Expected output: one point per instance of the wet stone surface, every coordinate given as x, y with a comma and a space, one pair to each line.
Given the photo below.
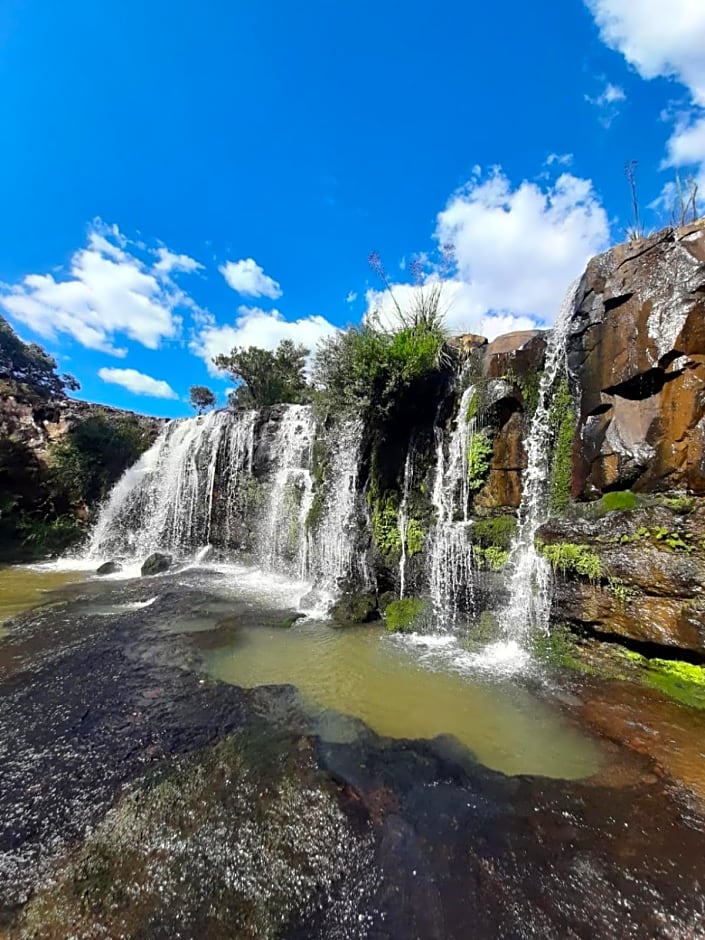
141, 800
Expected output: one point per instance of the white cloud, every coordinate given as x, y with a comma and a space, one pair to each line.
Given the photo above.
247, 277
657, 38
168, 262
687, 145
667, 40
351, 298
518, 249
564, 159
108, 292
137, 382
607, 103
256, 327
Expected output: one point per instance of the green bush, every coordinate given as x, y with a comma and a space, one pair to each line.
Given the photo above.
385, 525
414, 537
491, 557
403, 615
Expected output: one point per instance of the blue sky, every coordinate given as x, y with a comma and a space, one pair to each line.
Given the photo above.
177, 177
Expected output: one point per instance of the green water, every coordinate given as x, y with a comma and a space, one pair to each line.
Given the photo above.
405, 691
24, 588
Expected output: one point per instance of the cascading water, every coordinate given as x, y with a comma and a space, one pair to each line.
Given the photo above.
333, 553
165, 501
450, 561
404, 514
529, 601
282, 542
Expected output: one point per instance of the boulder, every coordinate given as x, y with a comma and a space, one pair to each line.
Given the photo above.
156, 564
355, 608
109, 567
636, 348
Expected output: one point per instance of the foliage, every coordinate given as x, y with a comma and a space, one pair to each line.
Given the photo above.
266, 377
480, 450
368, 369
562, 418
569, 558
403, 615
620, 589
414, 537
497, 531
385, 525
200, 398
474, 406
491, 557
27, 371
93, 456
681, 504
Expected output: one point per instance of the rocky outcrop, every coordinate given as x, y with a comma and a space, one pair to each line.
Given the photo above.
636, 350
37, 425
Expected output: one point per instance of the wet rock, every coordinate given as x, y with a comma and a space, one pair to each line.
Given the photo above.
156, 564
109, 567
651, 587
636, 347
355, 608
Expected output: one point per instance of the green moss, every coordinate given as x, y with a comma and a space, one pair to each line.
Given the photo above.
559, 649
414, 537
473, 406
490, 557
682, 504
529, 386
623, 500
480, 452
569, 558
562, 418
497, 531
678, 680
385, 525
403, 615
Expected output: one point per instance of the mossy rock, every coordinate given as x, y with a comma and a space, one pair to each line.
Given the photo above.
405, 615
156, 564
355, 608
494, 531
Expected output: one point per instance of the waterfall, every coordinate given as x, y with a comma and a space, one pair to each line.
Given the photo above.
165, 501
333, 541
404, 514
450, 557
282, 542
529, 601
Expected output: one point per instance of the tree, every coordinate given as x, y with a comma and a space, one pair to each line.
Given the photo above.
28, 371
266, 377
201, 398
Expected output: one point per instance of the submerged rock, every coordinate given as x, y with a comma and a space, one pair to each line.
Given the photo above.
109, 567
156, 564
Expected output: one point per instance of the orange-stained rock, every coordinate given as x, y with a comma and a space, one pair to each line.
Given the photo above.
515, 354
636, 348
468, 341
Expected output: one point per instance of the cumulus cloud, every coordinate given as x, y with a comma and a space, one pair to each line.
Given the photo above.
657, 38
137, 382
516, 250
256, 327
108, 292
607, 102
247, 277
664, 39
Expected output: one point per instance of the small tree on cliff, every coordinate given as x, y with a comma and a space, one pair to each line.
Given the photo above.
27, 371
266, 377
200, 398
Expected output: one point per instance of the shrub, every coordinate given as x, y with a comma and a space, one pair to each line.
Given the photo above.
414, 537
495, 531
266, 377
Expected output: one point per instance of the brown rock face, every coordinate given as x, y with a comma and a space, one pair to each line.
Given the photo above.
515, 354
466, 342
637, 349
